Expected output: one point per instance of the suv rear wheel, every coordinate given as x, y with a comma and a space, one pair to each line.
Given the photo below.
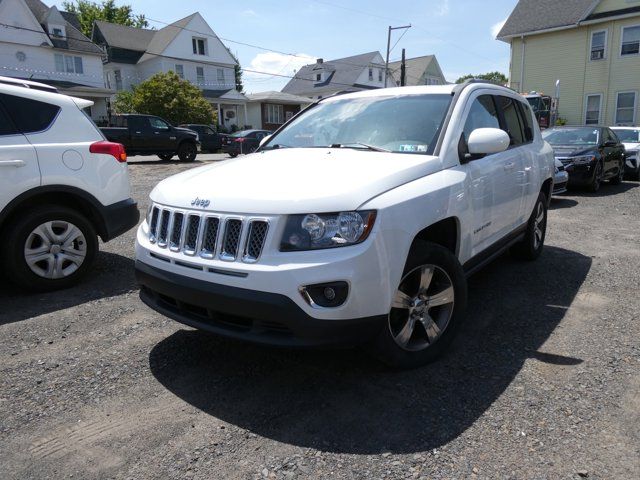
49, 248
531, 246
187, 152
426, 309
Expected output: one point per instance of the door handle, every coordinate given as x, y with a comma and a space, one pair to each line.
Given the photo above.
12, 163
509, 166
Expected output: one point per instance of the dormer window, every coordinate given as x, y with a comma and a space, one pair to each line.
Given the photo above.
318, 77
57, 31
199, 46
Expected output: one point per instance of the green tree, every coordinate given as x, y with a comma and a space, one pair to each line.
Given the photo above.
495, 77
88, 11
238, 74
124, 102
168, 96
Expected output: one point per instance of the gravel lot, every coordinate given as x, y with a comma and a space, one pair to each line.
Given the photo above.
543, 381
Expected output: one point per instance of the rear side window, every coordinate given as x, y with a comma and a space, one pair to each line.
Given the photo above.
511, 120
525, 111
6, 125
483, 114
138, 123
29, 116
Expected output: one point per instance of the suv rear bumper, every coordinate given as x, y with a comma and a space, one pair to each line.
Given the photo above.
118, 218
259, 317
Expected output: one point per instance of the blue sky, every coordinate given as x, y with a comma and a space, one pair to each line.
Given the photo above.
459, 32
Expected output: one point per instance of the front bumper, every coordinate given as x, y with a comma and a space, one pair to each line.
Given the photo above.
580, 175
560, 181
631, 163
118, 218
256, 316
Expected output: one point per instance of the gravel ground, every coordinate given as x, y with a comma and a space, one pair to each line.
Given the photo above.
543, 381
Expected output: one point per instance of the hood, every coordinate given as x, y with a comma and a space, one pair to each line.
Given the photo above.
573, 150
294, 180
186, 130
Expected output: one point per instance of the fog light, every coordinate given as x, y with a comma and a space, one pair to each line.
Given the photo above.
327, 295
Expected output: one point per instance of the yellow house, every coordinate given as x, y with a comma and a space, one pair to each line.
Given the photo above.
592, 47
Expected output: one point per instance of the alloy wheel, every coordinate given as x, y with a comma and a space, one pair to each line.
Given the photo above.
55, 249
422, 308
597, 177
538, 226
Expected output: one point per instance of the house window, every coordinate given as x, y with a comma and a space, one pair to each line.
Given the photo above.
200, 75
370, 74
598, 45
68, 63
118, 77
220, 76
180, 71
626, 108
630, 41
274, 114
592, 110
318, 77
199, 46
57, 32
379, 74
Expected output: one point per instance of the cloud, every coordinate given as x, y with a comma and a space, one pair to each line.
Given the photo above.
277, 63
249, 13
443, 9
495, 29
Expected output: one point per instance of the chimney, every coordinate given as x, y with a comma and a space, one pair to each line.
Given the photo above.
320, 61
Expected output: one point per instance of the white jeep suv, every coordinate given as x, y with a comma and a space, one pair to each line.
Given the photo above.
357, 221
61, 185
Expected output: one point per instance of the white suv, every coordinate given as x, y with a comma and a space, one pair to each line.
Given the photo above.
61, 185
357, 221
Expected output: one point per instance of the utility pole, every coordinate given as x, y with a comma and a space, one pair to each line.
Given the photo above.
403, 70
386, 66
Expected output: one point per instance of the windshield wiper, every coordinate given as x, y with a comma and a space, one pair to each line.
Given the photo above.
359, 144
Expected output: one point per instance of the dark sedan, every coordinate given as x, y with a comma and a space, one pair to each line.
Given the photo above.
245, 141
589, 154
210, 140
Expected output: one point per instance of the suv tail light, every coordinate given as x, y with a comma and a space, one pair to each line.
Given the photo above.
116, 150
240, 140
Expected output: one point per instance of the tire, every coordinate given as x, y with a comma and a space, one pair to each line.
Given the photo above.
56, 262
233, 155
594, 186
418, 334
165, 156
532, 245
187, 152
617, 180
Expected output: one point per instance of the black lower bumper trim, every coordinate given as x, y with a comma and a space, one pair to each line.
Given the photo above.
119, 217
260, 317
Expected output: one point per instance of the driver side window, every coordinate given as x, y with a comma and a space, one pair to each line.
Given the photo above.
483, 114
158, 124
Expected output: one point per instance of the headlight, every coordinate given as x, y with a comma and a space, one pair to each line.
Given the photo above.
326, 230
582, 160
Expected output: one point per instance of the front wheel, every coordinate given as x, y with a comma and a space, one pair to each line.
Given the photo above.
233, 155
426, 309
531, 246
187, 152
594, 186
165, 156
49, 248
617, 180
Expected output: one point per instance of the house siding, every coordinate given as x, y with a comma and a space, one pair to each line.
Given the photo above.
565, 55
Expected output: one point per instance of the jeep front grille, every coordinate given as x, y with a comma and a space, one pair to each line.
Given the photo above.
208, 235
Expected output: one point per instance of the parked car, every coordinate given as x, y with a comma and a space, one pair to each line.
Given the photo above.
62, 185
356, 223
244, 141
589, 154
151, 135
560, 178
630, 138
210, 140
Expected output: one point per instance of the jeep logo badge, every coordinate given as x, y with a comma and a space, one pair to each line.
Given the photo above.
200, 202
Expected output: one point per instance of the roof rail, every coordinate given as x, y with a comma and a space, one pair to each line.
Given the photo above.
473, 81
19, 82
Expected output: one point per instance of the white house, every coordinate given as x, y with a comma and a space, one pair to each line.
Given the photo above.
40, 43
188, 47
350, 74
423, 70
269, 110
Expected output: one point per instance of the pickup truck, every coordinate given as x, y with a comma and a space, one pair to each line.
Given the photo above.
150, 135
357, 222
210, 140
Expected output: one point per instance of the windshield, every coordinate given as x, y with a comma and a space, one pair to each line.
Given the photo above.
572, 136
402, 124
628, 135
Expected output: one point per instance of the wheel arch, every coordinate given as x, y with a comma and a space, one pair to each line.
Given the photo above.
64, 195
547, 189
445, 232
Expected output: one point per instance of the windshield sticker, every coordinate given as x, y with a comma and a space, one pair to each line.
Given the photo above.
413, 148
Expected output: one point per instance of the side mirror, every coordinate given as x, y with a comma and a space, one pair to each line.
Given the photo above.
485, 141
264, 140
610, 143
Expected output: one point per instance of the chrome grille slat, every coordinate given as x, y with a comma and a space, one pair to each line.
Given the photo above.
231, 239
255, 240
208, 235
